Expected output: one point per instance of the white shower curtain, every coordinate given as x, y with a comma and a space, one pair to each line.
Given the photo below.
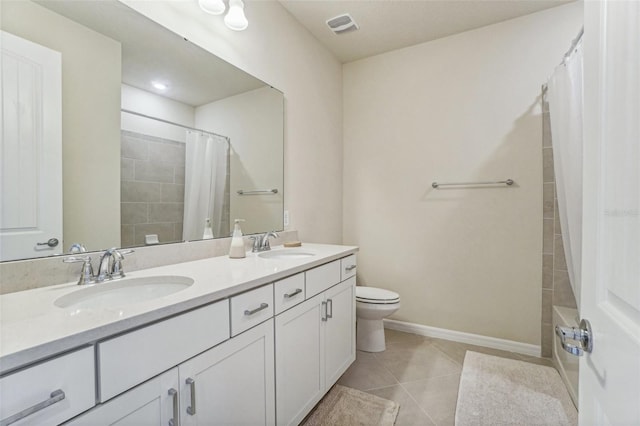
565, 109
205, 183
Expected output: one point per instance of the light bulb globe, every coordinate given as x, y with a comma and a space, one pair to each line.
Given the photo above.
213, 7
235, 18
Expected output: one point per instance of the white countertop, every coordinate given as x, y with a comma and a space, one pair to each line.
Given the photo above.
33, 328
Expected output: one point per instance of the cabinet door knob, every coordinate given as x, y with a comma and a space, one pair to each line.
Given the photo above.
350, 268
175, 420
329, 308
192, 384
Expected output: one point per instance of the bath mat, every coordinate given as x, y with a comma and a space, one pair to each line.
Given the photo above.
344, 406
500, 391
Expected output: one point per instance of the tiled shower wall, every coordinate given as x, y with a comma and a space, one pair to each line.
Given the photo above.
152, 188
556, 289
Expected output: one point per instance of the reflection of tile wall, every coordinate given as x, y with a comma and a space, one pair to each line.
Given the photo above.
556, 289
152, 188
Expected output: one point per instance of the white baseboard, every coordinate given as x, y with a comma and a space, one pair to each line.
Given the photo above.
459, 336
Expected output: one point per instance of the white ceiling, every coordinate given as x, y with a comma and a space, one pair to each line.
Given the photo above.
387, 25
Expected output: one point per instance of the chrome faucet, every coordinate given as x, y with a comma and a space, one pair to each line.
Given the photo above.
261, 242
86, 275
110, 266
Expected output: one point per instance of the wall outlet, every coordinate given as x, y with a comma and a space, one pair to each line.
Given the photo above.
286, 218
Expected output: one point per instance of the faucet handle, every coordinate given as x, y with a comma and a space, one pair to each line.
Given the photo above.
86, 276
256, 243
77, 248
119, 255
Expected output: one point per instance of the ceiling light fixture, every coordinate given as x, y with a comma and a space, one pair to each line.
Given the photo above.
235, 18
158, 85
214, 7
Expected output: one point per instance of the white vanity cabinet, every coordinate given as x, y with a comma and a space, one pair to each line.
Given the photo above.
232, 383
315, 344
153, 403
261, 356
340, 331
131, 358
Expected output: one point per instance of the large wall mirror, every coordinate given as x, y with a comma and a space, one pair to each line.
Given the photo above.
117, 132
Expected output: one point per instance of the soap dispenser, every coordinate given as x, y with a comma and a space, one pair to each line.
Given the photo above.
237, 251
208, 232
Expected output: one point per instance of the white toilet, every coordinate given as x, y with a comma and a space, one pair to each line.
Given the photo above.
372, 306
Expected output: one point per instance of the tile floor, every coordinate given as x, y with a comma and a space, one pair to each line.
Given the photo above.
420, 373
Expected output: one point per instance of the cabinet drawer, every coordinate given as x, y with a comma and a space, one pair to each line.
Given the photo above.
73, 374
132, 358
321, 278
348, 267
289, 292
251, 308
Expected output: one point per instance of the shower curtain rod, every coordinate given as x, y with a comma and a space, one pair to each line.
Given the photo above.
175, 124
574, 43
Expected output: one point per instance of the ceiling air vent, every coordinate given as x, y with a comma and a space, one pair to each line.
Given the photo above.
342, 24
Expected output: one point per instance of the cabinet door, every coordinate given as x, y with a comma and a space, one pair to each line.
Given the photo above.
340, 332
299, 360
231, 384
151, 403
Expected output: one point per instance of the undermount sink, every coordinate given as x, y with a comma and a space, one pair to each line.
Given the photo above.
286, 254
124, 292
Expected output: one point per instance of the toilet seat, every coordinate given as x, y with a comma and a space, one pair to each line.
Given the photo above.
376, 296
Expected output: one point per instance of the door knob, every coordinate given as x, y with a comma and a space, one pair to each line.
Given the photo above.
582, 335
52, 242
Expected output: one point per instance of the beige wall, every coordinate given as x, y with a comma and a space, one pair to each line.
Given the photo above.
278, 50
462, 108
90, 120
253, 122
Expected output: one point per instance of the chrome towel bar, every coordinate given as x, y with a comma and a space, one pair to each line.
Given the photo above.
508, 182
258, 192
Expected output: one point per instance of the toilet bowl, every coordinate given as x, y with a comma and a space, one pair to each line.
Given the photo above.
372, 306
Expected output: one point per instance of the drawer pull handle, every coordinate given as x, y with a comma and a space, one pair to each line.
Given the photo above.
293, 293
350, 268
329, 308
175, 420
262, 307
323, 311
56, 396
192, 384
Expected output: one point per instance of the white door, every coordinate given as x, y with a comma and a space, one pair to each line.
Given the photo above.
153, 403
232, 383
610, 374
31, 148
299, 360
340, 330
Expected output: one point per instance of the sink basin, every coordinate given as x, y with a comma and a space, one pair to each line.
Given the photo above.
124, 292
286, 254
